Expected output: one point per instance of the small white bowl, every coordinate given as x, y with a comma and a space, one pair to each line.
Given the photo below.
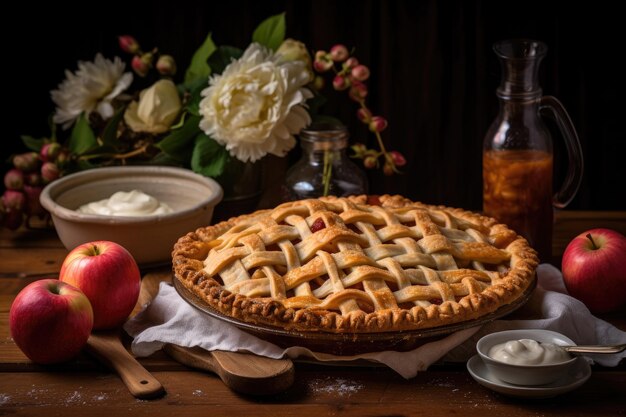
528, 375
150, 239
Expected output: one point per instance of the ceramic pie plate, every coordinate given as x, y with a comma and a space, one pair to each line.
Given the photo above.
345, 344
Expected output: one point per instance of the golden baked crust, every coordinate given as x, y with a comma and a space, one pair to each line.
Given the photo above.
342, 265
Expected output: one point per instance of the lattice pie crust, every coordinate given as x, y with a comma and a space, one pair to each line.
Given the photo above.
342, 265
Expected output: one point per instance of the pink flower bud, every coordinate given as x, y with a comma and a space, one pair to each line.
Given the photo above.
166, 65
397, 158
321, 56
339, 53
370, 162
388, 169
340, 82
364, 115
63, 159
351, 62
358, 91
13, 200
322, 65
14, 179
128, 44
26, 162
32, 178
142, 64
359, 150
33, 205
360, 72
50, 151
378, 124
49, 172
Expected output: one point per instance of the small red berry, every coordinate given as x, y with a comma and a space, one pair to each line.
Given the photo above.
398, 158
378, 124
318, 225
370, 162
339, 53
360, 72
128, 44
166, 65
373, 200
351, 62
340, 82
142, 64
364, 115
358, 91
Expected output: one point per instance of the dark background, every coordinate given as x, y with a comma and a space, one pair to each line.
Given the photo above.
434, 74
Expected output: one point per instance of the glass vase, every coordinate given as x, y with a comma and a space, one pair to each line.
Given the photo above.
324, 168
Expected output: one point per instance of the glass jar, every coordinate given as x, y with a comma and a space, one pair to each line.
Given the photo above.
324, 168
517, 151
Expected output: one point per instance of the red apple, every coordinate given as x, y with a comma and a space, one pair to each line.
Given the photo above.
108, 275
50, 321
594, 269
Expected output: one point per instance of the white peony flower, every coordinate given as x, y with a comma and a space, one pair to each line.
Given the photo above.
256, 105
91, 88
156, 110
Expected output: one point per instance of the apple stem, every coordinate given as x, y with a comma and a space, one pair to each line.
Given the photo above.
593, 244
95, 250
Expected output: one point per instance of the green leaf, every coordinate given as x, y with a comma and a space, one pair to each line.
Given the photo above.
83, 164
195, 96
209, 157
164, 159
82, 137
271, 32
330, 120
222, 57
32, 143
109, 135
177, 144
198, 68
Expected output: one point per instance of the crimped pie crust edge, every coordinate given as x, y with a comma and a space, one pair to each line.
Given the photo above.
191, 249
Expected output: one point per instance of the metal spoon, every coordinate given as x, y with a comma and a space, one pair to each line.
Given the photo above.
595, 349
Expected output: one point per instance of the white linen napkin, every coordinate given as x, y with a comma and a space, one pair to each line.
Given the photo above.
170, 319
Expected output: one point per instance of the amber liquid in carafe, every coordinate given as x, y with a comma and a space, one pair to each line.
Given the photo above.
517, 191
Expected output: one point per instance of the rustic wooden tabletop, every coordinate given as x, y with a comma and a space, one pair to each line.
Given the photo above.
85, 387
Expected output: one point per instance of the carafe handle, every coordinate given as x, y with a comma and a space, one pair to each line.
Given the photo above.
574, 151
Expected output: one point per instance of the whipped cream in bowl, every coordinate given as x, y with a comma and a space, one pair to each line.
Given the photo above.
528, 352
146, 209
123, 203
528, 357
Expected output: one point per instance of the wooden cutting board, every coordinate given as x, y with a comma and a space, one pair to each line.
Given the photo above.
242, 372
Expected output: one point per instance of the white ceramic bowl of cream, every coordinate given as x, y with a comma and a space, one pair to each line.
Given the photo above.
149, 238
525, 374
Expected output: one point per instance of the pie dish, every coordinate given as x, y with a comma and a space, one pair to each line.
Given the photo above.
356, 265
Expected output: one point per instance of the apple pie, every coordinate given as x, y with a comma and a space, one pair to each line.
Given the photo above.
355, 265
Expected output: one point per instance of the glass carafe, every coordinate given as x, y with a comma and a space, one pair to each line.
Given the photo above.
324, 168
518, 153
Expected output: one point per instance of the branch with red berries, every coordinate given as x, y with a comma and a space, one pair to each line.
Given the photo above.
143, 61
24, 182
350, 75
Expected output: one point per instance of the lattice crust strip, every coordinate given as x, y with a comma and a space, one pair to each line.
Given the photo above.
338, 264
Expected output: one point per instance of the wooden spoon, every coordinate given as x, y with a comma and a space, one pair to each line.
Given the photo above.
107, 347
242, 372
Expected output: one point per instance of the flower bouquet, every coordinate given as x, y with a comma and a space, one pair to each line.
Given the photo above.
231, 107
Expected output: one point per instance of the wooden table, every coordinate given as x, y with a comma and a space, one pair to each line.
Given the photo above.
84, 387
